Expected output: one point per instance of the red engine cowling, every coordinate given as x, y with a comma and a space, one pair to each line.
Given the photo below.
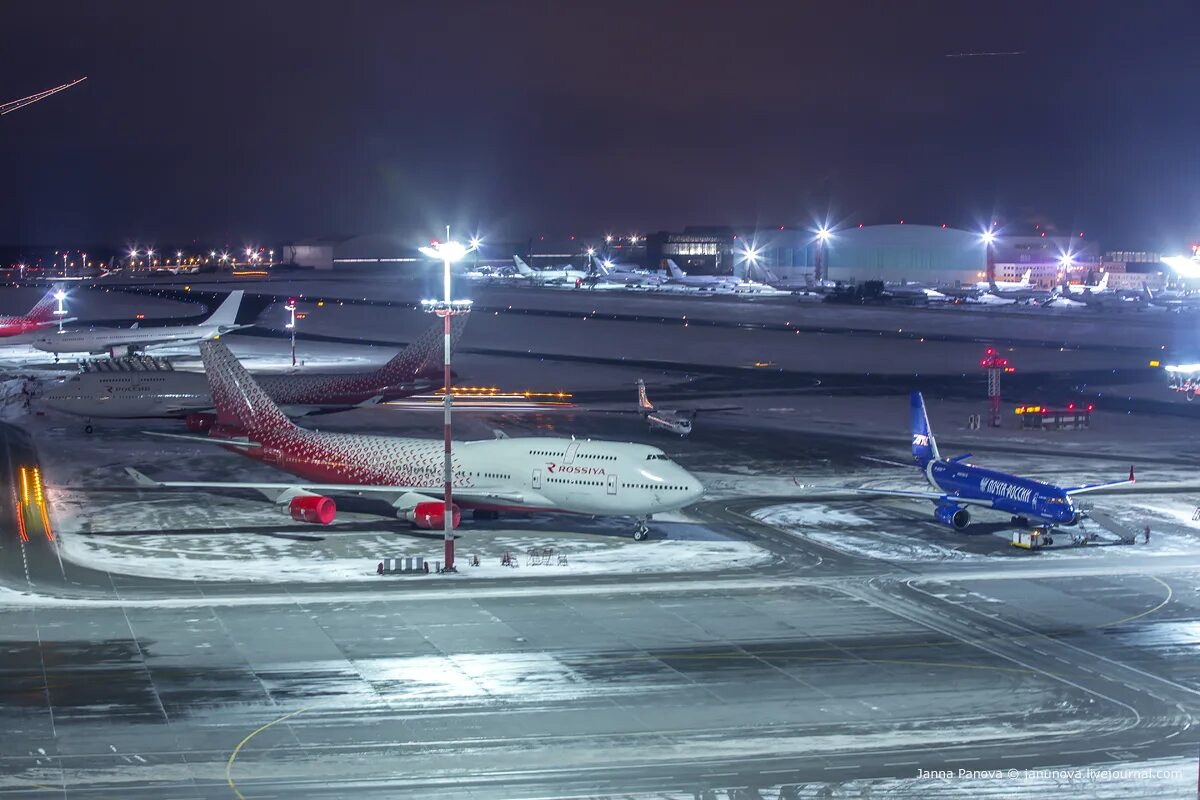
313, 508
200, 423
431, 515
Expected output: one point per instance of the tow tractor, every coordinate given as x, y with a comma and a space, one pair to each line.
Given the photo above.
1039, 537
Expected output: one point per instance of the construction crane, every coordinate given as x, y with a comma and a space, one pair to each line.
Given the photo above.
13, 105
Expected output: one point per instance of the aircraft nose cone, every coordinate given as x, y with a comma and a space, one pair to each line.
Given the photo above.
695, 490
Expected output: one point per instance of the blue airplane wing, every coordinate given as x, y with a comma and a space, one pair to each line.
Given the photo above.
937, 497
1098, 488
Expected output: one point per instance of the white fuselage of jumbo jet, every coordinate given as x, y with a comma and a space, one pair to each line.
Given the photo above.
116, 341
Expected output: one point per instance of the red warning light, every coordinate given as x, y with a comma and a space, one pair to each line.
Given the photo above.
1070, 406
1090, 408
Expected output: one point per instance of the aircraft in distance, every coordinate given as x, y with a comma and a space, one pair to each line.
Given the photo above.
681, 278
959, 486
554, 275
40, 316
677, 421
605, 271
1015, 291
1175, 301
141, 387
134, 338
521, 475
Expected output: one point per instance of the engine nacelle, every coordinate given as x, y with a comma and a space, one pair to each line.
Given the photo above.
430, 515
200, 423
952, 515
312, 508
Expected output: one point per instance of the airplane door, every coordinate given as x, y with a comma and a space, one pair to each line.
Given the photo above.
537, 479
612, 484
569, 456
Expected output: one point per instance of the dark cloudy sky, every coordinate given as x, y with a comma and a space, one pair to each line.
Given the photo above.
277, 120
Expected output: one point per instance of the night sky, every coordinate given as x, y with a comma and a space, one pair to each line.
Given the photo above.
272, 121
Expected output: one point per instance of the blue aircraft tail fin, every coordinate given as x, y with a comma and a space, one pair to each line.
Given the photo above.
924, 446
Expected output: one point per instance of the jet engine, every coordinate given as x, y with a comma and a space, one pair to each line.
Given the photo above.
200, 423
430, 515
312, 508
952, 515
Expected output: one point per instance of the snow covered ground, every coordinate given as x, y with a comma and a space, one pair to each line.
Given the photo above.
861, 532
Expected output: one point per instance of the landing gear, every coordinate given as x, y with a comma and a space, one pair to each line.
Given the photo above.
87, 428
641, 530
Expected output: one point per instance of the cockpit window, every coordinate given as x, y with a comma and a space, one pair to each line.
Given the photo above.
657, 457
1057, 501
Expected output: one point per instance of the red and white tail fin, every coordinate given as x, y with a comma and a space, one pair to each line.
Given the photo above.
43, 310
643, 401
423, 356
240, 402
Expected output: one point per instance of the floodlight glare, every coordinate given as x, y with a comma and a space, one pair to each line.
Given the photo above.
823, 233
988, 237
60, 295
591, 251
445, 251
1066, 260
476, 242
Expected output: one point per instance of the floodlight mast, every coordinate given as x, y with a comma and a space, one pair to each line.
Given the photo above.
448, 251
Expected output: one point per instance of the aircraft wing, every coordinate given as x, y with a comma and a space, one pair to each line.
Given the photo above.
467, 494
1102, 488
936, 497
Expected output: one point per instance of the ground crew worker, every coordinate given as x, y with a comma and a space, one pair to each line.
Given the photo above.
1146, 535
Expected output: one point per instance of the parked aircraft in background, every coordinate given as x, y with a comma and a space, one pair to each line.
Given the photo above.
553, 275
522, 475
142, 387
40, 316
681, 278
605, 271
136, 338
1017, 291
1175, 301
958, 486
1101, 295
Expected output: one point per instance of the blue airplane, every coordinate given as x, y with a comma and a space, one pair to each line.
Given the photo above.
958, 485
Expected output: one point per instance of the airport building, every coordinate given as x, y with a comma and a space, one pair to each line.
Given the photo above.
1043, 257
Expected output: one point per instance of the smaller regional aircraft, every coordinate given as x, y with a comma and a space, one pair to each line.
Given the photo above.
677, 421
958, 486
40, 316
127, 341
565, 274
681, 278
1017, 291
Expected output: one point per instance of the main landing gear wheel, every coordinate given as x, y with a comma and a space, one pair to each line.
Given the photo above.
88, 428
641, 531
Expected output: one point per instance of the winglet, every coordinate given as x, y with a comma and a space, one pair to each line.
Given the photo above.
1132, 479
141, 479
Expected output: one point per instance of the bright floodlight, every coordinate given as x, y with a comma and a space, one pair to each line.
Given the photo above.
133, 253
60, 295
823, 233
475, 242
608, 239
445, 251
1183, 266
1066, 260
751, 255
607, 264
988, 237
591, 251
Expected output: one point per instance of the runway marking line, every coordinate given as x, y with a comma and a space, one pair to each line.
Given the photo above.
1167, 599
233, 756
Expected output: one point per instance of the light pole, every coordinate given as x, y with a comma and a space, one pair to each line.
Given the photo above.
988, 238
823, 235
291, 326
149, 262
447, 252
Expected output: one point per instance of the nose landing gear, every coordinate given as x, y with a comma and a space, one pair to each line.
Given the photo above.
641, 530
